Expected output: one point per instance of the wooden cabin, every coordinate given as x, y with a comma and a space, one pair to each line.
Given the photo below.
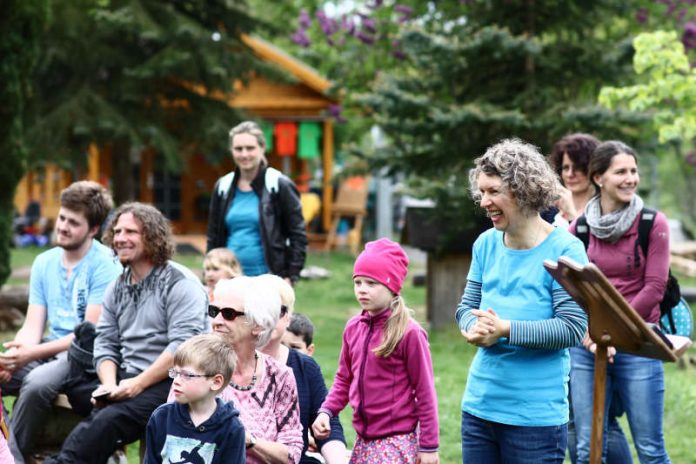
301, 101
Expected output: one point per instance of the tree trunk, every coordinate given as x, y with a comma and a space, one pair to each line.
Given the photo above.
446, 280
15, 296
123, 184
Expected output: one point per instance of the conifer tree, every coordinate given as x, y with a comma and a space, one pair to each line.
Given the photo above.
139, 74
511, 68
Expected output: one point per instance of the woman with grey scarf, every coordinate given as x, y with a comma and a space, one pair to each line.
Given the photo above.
613, 217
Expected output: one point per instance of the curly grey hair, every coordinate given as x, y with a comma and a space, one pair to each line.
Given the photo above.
524, 171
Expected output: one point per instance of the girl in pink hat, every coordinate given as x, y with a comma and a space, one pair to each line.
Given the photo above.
385, 370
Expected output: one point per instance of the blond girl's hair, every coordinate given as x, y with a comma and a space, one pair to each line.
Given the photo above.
225, 260
285, 290
395, 327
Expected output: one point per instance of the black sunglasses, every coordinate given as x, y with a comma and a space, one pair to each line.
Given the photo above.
229, 314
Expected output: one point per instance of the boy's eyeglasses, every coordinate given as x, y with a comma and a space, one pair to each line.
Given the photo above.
229, 314
185, 375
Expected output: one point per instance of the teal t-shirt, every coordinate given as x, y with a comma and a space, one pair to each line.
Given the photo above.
66, 299
244, 230
511, 384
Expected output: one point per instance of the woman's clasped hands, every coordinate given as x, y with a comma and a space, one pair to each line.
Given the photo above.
488, 328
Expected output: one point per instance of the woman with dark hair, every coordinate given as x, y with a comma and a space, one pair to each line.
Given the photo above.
613, 217
515, 406
255, 211
570, 157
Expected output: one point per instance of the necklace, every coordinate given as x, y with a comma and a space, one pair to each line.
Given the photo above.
253, 378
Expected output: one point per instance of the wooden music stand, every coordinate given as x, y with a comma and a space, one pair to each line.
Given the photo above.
612, 322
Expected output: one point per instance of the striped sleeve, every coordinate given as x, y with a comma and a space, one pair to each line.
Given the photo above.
565, 329
471, 299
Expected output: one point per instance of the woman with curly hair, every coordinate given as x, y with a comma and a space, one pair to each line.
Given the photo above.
515, 406
570, 157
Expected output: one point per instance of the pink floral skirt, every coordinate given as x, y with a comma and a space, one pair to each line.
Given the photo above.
395, 449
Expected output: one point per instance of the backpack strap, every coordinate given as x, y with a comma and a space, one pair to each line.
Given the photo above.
271, 179
225, 184
647, 219
582, 230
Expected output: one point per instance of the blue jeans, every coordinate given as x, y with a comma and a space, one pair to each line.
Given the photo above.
639, 385
494, 443
618, 451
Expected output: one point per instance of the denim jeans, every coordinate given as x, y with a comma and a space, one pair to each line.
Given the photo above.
618, 451
494, 443
639, 385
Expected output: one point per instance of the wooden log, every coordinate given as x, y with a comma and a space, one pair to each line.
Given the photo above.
684, 249
15, 296
684, 265
446, 279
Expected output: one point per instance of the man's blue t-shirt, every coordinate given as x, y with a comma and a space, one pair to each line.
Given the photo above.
66, 299
244, 228
513, 384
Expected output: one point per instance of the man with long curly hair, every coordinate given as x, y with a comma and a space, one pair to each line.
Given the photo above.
152, 308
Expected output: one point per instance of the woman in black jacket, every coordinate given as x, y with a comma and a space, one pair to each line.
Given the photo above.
255, 210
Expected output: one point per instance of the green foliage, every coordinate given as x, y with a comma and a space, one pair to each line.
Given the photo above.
21, 27
497, 69
666, 93
667, 89
138, 74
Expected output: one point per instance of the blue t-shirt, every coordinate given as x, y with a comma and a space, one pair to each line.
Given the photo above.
66, 299
513, 384
244, 237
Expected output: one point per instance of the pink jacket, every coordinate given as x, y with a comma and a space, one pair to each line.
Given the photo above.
643, 286
389, 396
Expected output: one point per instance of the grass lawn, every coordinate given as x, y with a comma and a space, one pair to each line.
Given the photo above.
330, 302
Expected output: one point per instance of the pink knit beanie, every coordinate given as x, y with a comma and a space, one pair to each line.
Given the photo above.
384, 261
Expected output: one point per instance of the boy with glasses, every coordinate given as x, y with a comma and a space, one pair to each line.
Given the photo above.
198, 427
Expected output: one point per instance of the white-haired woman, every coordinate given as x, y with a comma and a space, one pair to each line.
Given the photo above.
245, 311
515, 406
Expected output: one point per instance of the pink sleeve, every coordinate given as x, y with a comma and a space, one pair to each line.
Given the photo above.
420, 372
5, 455
656, 270
287, 413
337, 399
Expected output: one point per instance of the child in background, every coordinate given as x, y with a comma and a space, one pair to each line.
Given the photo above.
219, 263
198, 427
385, 368
300, 334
